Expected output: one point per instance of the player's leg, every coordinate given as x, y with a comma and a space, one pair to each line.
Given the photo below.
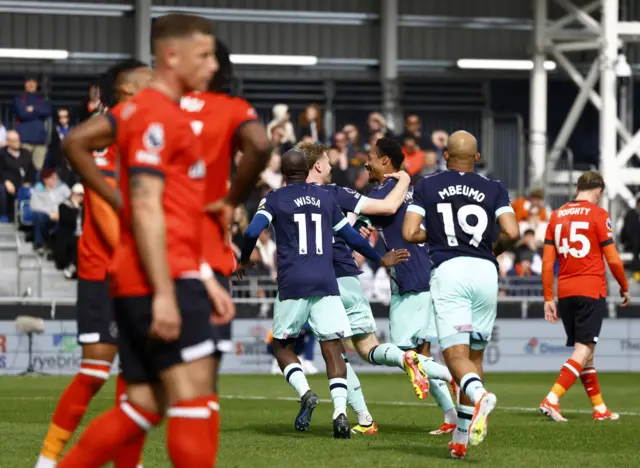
408, 322
356, 401
97, 334
221, 335
330, 324
128, 422
439, 389
289, 316
589, 379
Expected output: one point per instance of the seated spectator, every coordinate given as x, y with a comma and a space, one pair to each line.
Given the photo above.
45, 202
536, 224
16, 170
55, 156
528, 247
339, 160
630, 238
32, 111
523, 281
414, 157
522, 205
282, 118
92, 104
439, 139
65, 250
272, 176
310, 124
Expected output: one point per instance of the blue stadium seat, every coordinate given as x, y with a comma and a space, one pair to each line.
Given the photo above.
25, 215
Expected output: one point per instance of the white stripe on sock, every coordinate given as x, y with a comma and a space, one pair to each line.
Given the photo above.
189, 413
572, 369
98, 374
136, 417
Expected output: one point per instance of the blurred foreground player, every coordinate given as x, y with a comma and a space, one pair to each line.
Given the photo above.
224, 124
460, 209
306, 217
580, 233
161, 306
97, 331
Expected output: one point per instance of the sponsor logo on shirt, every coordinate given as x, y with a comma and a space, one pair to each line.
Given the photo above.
191, 104
147, 158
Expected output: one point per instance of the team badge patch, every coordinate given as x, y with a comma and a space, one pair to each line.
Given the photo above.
609, 224
153, 138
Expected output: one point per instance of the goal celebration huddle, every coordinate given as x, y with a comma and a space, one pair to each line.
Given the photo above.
155, 266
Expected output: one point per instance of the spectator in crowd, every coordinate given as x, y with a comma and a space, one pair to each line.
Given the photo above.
522, 205
32, 111
3, 135
310, 124
271, 176
377, 123
339, 159
281, 117
528, 247
92, 104
266, 247
65, 250
55, 156
373, 138
536, 224
439, 140
16, 170
277, 140
505, 263
45, 202
353, 137
630, 238
413, 127
414, 157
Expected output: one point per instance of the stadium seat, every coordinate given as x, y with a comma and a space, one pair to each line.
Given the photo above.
24, 216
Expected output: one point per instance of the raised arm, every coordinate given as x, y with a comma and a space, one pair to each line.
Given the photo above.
79, 144
392, 202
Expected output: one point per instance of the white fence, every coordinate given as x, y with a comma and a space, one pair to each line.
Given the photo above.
517, 346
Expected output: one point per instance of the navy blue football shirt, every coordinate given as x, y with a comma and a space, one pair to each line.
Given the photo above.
349, 201
304, 217
414, 274
460, 211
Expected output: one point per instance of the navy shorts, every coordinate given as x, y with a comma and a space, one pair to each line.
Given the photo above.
94, 312
142, 358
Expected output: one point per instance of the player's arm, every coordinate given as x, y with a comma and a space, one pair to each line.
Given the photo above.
506, 217
79, 144
549, 255
412, 229
610, 252
390, 204
260, 222
223, 308
256, 150
105, 218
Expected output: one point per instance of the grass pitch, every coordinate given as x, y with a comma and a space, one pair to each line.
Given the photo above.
258, 412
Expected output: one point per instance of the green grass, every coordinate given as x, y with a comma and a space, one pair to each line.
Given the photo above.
258, 412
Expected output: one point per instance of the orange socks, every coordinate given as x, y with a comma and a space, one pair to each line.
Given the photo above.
73, 405
108, 434
129, 456
589, 379
568, 375
191, 433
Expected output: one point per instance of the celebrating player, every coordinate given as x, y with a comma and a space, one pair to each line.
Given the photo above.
161, 306
97, 331
460, 209
410, 312
224, 123
580, 232
305, 217
363, 325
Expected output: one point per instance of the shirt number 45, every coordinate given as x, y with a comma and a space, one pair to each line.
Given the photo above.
562, 244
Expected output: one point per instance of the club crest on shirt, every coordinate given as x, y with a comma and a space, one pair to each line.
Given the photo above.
153, 138
609, 224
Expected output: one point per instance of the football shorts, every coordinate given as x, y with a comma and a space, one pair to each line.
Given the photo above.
222, 333
325, 314
143, 357
465, 300
582, 318
94, 313
358, 309
409, 319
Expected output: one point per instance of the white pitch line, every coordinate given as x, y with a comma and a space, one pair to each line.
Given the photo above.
382, 403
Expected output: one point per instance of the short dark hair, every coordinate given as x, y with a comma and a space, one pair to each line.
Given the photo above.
314, 152
590, 180
392, 149
179, 25
224, 75
108, 81
408, 136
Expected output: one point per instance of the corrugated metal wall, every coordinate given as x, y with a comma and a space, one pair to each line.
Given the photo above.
317, 5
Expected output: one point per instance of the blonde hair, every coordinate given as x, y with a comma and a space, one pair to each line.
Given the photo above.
313, 151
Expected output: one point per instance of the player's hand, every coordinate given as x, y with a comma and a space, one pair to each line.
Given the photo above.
223, 308
366, 232
394, 257
398, 176
29, 108
550, 311
166, 320
222, 212
11, 189
240, 273
626, 298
